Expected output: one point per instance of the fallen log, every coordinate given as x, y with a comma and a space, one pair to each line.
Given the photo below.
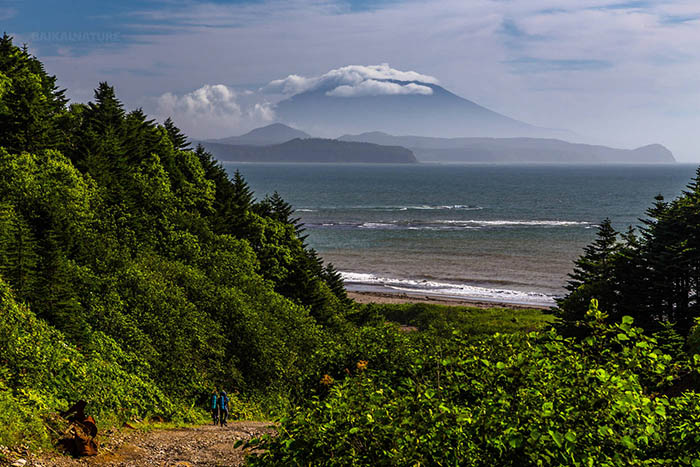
79, 439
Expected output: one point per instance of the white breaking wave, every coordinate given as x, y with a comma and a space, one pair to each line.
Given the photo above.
449, 290
511, 223
456, 207
377, 225
420, 207
442, 224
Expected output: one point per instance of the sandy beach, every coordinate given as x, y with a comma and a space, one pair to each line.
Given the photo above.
400, 297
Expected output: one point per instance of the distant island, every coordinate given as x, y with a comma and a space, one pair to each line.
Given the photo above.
312, 150
516, 150
281, 143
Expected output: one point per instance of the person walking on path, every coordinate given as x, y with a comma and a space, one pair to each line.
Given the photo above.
223, 405
214, 407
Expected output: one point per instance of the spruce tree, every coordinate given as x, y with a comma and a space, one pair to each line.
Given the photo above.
178, 139
30, 101
593, 276
275, 207
657, 254
19, 258
100, 148
631, 279
143, 137
335, 282
242, 196
57, 302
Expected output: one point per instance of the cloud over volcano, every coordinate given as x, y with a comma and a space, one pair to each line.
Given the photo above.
356, 80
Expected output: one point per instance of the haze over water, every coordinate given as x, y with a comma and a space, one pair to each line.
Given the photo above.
502, 233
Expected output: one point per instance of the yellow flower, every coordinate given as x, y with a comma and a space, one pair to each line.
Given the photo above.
362, 365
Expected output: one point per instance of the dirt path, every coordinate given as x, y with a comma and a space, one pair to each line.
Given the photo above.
206, 445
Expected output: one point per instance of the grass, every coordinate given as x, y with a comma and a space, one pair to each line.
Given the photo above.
469, 320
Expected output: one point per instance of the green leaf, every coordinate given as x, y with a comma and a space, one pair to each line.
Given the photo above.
627, 442
660, 410
516, 441
557, 437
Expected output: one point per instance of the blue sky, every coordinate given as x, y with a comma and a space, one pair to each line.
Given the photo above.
616, 72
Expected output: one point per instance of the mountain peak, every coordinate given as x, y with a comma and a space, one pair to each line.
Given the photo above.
274, 133
401, 107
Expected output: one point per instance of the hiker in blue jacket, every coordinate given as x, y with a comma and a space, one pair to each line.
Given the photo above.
214, 407
223, 406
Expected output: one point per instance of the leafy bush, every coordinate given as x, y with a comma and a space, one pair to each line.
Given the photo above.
42, 373
534, 399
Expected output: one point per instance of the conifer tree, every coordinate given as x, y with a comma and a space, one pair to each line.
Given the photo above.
593, 276
106, 112
242, 195
631, 279
18, 253
334, 279
277, 208
226, 216
30, 101
672, 254
657, 254
100, 147
178, 139
142, 138
57, 301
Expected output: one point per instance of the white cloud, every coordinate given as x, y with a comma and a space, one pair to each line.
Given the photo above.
355, 80
217, 99
292, 84
373, 87
213, 110
262, 111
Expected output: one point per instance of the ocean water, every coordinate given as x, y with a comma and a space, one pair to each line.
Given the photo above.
491, 232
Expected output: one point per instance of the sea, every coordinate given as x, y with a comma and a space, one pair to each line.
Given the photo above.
495, 233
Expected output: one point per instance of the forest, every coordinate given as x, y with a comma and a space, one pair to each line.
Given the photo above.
137, 275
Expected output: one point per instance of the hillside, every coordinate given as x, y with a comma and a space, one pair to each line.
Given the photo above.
515, 150
135, 272
313, 150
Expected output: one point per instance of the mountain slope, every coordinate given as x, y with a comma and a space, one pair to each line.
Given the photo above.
312, 150
428, 149
270, 134
441, 113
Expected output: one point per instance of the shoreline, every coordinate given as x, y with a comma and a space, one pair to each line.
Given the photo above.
384, 298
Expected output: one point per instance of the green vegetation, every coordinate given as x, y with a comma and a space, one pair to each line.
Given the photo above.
137, 275
505, 399
443, 319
